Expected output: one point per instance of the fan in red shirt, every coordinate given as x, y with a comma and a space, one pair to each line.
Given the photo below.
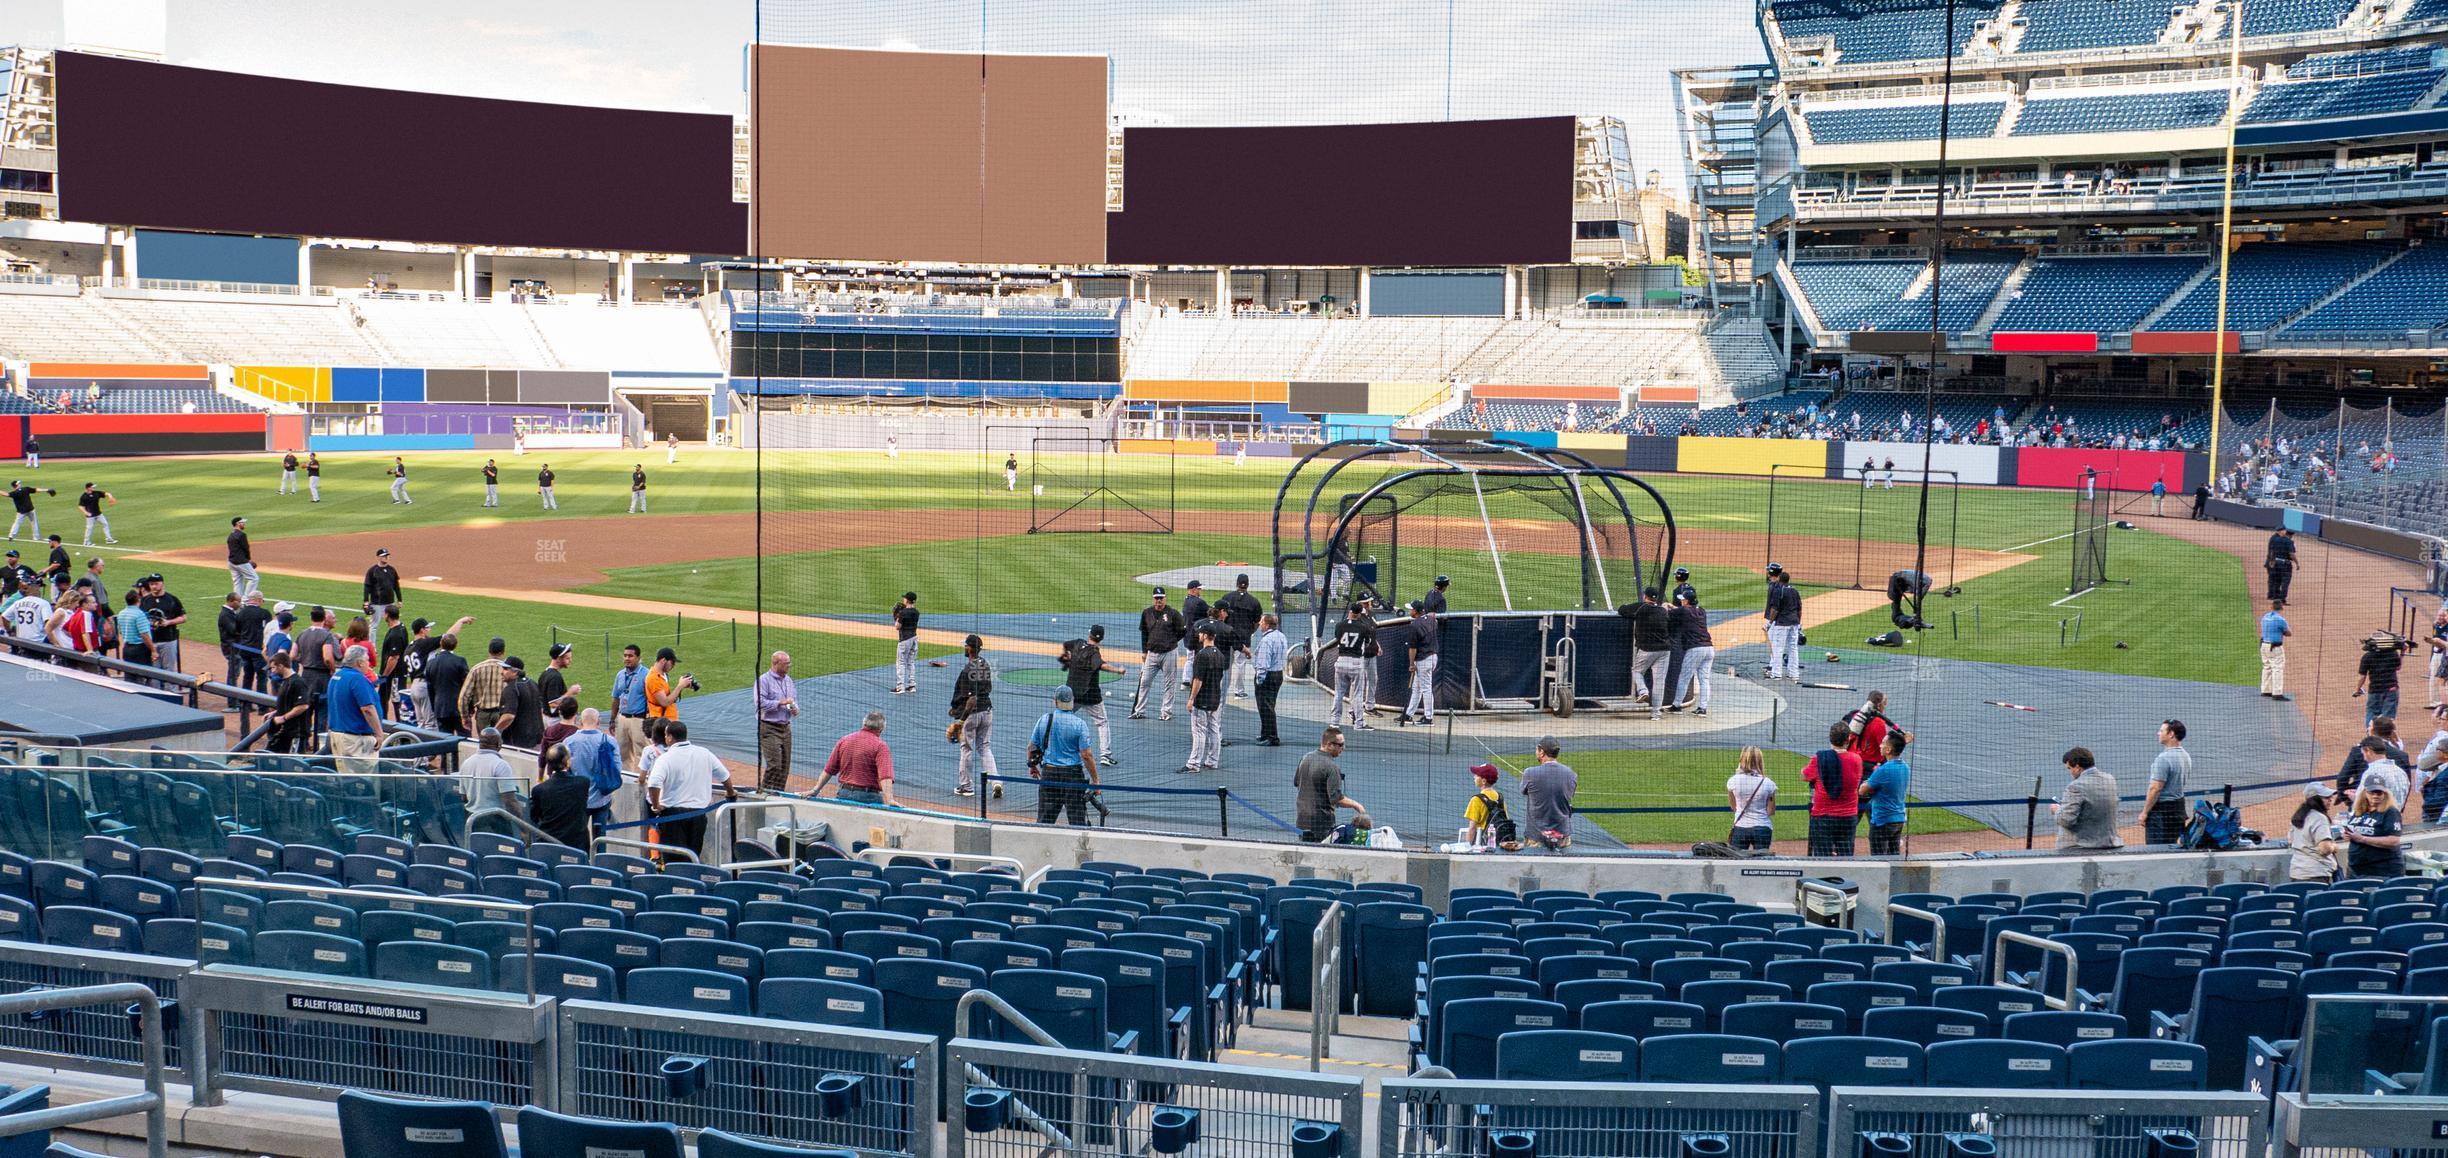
1835, 800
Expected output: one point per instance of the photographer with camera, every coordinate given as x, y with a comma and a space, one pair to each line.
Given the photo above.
2376, 674
663, 689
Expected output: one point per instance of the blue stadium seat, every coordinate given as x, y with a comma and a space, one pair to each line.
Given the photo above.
310, 953
1853, 1061
1642, 1020
2230, 1006
1926, 1024
1785, 1021
499, 938
544, 1134
686, 991
1467, 1030
428, 963
1711, 1058
772, 935
1068, 1006
2064, 1027
1809, 971
1995, 1002
19, 920
1444, 991
1565, 1055
2137, 1064
1858, 998
821, 1002
374, 1126
993, 955
85, 927
136, 896
744, 961
563, 978
382, 925
1715, 997
1390, 939
1676, 972
673, 926
562, 916
920, 995
623, 950
1137, 999
2153, 981
1996, 1064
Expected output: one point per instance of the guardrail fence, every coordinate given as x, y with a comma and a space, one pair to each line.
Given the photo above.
307, 1036
1019, 1101
105, 1041
1419, 1118
1900, 1123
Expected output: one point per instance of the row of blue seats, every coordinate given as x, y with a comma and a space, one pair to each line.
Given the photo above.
375, 1126
1569, 1055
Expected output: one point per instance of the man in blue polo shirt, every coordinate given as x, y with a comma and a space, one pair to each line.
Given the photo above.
1058, 756
629, 706
2274, 633
355, 713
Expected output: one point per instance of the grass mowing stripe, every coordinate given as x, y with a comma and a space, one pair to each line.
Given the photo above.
705, 649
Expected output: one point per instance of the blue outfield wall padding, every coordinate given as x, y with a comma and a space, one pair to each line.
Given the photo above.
356, 384
2302, 522
1542, 439
402, 385
393, 442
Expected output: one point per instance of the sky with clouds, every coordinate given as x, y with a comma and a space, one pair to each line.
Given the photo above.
1184, 62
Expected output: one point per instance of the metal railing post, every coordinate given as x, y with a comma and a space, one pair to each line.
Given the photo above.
1997, 963
1937, 928
1326, 989
153, 1102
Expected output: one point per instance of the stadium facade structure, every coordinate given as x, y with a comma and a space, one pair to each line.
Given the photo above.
2083, 186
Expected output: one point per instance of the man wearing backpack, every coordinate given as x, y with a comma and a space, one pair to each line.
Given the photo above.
1834, 775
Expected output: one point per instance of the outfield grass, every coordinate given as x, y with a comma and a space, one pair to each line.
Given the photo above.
2184, 615
1075, 573
706, 647
1695, 778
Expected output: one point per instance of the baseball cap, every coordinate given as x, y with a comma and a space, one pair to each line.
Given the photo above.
283, 608
1417, 605
1158, 592
1442, 580
556, 651
1776, 568
912, 596
12, 553
1192, 585
515, 663
382, 552
420, 623
2318, 791
667, 653
1484, 771
1682, 572
1062, 697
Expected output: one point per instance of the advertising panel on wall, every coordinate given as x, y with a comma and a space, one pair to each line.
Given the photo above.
1969, 464
1441, 193
927, 156
143, 143
2124, 470
1796, 457
88, 435
1328, 398
2043, 343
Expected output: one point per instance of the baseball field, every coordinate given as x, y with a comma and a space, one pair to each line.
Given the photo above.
725, 571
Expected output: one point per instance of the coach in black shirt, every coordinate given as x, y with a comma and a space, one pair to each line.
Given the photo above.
522, 707
558, 802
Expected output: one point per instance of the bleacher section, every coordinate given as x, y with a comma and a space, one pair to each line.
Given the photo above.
1878, 31
2411, 294
2267, 284
2343, 94
1893, 295
2062, 25
2049, 114
357, 332
2284, 17
1846, 124
2095, 294
1595, 351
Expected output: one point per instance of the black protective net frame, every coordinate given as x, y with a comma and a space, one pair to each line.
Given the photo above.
2093, 496
1496, 524
1821, 531
1069, 495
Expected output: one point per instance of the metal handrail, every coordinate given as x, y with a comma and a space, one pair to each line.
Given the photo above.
1807, 885
525, 911
1997, 966
647, 845
1019, 1021
1326, 993
517, 823
154, 1102
1937, 927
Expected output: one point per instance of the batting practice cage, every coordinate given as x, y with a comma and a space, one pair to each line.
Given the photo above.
2092, 522
1073, 485
1546, 543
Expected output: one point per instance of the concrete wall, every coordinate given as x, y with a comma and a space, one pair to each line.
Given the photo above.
783, 431
1770, 882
